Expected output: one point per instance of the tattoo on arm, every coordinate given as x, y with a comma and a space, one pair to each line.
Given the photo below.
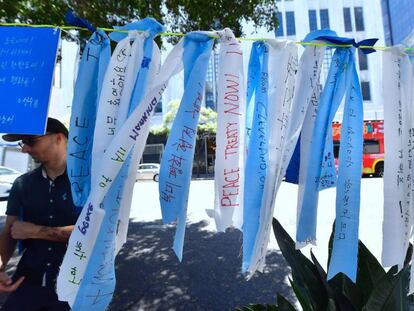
56, 234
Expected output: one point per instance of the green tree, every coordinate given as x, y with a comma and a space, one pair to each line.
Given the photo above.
206, 132
176, 15
207, 124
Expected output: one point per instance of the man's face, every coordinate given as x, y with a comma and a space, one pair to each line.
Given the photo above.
38, 146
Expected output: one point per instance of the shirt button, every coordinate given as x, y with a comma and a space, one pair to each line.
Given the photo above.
51, 200
49, 249
51, 216
48, 264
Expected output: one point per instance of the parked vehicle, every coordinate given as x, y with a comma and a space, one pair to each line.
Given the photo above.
7, 177
373, 150
148, 171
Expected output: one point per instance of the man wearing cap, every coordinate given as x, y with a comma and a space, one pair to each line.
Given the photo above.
41, 214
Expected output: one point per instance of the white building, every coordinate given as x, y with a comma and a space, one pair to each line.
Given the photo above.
359, 19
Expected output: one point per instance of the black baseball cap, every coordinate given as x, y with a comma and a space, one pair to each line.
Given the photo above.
53, 126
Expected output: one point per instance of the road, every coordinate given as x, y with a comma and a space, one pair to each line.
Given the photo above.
146, 207
149, 277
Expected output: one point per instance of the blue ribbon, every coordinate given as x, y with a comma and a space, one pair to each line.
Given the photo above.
345, 246
292, 172
342, 78
146, 24
88, 86
257, 154
98, 284
177, 161
252, 81
77, 21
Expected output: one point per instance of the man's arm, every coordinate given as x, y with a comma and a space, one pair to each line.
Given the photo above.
7, 247
22, 230
7, 243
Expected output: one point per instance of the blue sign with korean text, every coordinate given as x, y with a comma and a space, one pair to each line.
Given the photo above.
27, 61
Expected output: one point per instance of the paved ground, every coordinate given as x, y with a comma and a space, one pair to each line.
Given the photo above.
149, 277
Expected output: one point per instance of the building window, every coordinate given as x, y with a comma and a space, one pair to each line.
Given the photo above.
366, 92
279, 30
363, 60
359, 19
312, 20
326, 64
290, 24
324, 15
347, 19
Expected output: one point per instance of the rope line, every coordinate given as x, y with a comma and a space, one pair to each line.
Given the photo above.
178, 34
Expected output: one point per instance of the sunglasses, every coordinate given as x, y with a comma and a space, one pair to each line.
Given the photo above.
32, 140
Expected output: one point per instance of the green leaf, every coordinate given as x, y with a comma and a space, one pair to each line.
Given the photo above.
344, 287
302, 296
370, 272
383, 295
304, 273
334, 296
332, 305
283, 304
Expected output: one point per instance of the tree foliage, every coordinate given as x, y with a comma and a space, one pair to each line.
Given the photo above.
207, 124
176, 15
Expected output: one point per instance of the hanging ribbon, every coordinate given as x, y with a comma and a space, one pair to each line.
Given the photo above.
88, 86
177, 161
131, 133
320, 174
149, 67
100, 273
77, 21
282, 67
122, 67
398, 77
253, 74
257, 148
123, 221
344, 256
230, 149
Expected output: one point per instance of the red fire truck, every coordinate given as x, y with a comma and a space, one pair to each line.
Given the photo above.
373, 151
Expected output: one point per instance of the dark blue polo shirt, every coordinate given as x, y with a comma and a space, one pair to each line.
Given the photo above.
37, 199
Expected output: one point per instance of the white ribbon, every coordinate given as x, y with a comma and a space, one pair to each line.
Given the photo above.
109, 103
398, 81
131, 133
282, 74
308, 120
123, 221
116, 92
230, 148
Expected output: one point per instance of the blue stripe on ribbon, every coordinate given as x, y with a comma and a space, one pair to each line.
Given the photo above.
99, 276
252, 81
342, 78
95, 59
292, 171
329, 102
257, 154
345, 246
177, 161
